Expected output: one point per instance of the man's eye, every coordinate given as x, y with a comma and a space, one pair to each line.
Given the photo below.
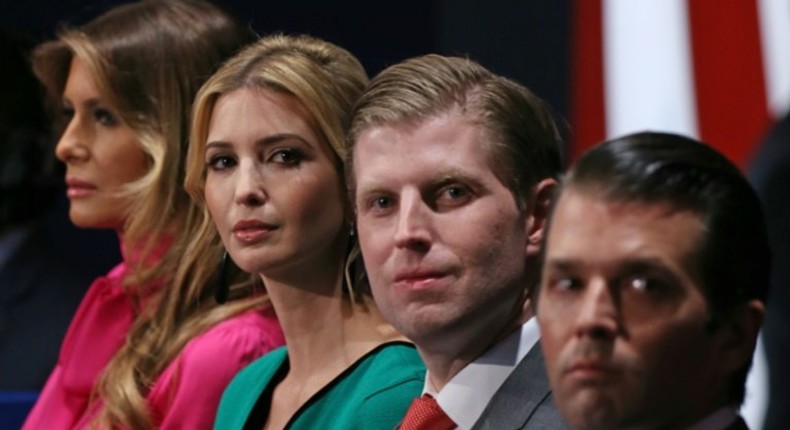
381, 203
639, 284
645, 285
565, 284
456, 192
452, 196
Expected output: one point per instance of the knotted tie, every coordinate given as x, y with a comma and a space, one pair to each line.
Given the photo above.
425, 414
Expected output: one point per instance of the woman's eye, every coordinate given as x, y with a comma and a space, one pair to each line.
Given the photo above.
104, 117
221, 162
287, 156
67, 112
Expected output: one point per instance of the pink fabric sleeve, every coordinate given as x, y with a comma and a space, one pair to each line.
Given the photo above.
187, 394
97, 331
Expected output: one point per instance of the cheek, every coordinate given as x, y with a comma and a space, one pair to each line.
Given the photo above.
124, 157
553, 336
216, 202
324, 203
370, 241
671, 348
317, 204
495, 265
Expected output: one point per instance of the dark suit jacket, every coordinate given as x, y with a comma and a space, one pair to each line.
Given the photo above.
769, 173
739, 424
524, 400
40, 289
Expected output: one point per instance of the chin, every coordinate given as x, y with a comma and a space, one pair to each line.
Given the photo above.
246, 264
590, 413
96, 223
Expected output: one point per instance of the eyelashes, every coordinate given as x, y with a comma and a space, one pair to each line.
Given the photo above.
287, 157
101, 115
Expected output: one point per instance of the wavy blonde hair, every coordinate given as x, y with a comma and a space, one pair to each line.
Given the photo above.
325, 78
148, 59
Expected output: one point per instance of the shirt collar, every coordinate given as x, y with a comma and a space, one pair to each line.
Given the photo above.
466, 395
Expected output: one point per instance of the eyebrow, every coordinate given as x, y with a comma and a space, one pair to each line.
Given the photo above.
455, 175
90, 103
266, 141
631, 265
442, 177
563, 264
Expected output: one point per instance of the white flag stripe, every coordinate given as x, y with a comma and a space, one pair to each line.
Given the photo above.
648, 67
774, 18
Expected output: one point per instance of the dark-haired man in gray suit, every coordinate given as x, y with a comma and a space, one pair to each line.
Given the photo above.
655, 275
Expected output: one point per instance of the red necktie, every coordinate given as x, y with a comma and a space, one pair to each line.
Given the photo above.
425, 414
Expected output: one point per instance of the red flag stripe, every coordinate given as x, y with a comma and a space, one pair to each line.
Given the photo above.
731, 104
588, 111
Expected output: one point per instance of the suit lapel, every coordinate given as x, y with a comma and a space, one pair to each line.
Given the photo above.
519, 396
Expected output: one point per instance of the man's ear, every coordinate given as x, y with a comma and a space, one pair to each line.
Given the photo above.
738, 336
538, 213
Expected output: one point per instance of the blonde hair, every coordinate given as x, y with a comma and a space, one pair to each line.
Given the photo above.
525, 145
148, 59
327, 80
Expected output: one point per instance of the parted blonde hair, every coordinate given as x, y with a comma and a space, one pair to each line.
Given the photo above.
325, 78
148, 60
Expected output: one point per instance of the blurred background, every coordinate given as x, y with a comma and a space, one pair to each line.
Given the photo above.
712, 69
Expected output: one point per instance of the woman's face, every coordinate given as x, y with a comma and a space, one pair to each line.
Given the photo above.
101, 153
272, 185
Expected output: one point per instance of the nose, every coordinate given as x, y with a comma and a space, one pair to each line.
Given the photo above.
72, 148
597, 317
413, 224
250, 185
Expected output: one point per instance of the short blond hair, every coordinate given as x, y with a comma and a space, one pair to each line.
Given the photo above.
525, 145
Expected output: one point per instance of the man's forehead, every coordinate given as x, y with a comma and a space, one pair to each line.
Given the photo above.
445, 139
627, 229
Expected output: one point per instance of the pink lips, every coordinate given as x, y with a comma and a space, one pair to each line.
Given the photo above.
252, 231
590, 371
76, 188
418, 279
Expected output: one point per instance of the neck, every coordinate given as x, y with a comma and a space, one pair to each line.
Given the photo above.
444, 363
324, 331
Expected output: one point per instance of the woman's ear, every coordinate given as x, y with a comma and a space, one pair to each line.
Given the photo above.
538, 213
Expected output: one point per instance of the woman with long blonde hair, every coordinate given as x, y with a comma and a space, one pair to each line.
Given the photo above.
265, 156
148, 347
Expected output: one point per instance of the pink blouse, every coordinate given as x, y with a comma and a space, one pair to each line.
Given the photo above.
185, 395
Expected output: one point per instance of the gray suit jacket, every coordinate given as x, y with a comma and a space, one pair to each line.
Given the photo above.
524, 400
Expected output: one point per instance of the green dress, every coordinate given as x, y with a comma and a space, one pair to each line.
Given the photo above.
373, 393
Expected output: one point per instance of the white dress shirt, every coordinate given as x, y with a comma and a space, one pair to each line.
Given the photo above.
466, 395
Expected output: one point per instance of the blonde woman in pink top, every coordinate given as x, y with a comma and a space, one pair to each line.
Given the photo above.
149, 346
